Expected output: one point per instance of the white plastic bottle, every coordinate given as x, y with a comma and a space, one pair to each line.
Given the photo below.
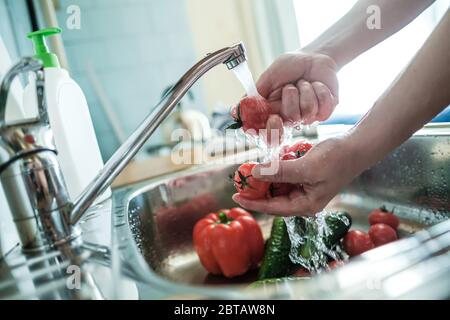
78, 151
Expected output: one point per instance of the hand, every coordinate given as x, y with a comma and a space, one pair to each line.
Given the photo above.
322, 172
301, 86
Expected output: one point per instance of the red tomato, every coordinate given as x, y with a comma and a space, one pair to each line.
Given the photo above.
302, 272
381, 233
335, 264
382, 215
289, 156
356, 242
251, 113
289, 153
247, 186
299, 148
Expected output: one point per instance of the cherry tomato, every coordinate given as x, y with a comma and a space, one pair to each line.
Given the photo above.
356, 242
335, 264
382, 215
247, 186
293, 152
289, 156
381, 233
302, 272
251, 113
299, 148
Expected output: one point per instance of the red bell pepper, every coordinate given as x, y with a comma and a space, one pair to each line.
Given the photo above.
229, 242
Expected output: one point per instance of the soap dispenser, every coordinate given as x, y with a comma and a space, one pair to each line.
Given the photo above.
78, 151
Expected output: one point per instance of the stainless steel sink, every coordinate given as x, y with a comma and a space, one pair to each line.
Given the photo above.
154, 227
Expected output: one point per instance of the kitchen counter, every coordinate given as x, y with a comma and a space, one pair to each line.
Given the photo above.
140, 170
147, 168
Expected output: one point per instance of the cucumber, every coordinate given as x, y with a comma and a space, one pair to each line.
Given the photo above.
339, 223
276, 262
276, 281
311, 252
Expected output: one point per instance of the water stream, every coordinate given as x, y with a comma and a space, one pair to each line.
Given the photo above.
244, 75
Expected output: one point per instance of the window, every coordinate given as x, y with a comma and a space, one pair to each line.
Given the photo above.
366, 77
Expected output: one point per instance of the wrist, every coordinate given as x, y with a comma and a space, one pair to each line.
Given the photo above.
326, 50
362, 152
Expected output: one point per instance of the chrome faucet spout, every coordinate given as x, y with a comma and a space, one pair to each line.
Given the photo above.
230, 56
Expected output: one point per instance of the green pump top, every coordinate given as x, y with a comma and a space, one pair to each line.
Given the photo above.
49, 59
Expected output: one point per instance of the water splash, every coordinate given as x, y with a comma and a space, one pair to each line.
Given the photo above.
307, 236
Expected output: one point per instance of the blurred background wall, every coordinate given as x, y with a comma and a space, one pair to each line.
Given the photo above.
127, 52
123, 56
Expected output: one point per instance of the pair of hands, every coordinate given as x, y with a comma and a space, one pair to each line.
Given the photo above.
303, 87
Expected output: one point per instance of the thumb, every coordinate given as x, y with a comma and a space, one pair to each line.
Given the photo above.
289, 171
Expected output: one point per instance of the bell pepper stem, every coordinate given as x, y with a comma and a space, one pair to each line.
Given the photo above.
223, 217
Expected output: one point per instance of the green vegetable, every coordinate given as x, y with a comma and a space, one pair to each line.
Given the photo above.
276, 281
309, 243
308, 233
338, 223
276, 262
314, 239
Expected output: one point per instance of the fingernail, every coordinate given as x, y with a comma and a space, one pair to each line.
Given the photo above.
237, 198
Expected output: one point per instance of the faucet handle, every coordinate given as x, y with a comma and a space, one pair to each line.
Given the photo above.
24, 136
26, 64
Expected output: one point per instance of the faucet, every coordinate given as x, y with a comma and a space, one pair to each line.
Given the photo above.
29, 170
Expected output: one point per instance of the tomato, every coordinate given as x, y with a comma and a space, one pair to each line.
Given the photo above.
381, 233
293, 152
229, 242
302, 272
289, 156
251, 113
299, 149
335, 264
382, 215
356, 242
247, 186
